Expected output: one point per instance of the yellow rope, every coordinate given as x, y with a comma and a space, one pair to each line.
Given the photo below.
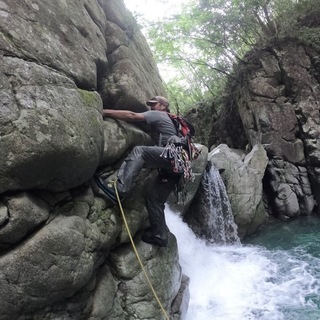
137, 254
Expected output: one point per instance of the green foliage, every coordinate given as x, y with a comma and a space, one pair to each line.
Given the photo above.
208, 37
307, 26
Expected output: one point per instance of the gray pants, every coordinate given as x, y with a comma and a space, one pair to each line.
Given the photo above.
149, 157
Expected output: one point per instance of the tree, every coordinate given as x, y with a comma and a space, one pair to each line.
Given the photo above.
210, 36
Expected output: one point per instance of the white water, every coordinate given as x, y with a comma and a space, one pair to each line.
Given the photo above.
218, 225
246, 282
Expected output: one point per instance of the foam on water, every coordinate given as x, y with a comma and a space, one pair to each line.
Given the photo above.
247, 282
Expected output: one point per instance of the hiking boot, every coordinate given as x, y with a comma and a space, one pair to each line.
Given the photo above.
154, 239
109, 190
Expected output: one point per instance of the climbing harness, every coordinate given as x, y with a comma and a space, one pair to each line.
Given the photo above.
181, 164
136, 252
180, 160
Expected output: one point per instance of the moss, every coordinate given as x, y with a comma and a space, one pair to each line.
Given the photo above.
310, 36
91, 99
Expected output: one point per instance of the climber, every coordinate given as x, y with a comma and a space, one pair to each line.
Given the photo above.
157, 156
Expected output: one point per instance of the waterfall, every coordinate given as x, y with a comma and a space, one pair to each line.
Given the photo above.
274, 279
221, 225
210, 216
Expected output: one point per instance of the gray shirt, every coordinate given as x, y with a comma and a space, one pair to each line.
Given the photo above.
162, 127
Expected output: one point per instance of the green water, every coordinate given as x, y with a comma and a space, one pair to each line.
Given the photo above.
295, 246
273, 275
302, 233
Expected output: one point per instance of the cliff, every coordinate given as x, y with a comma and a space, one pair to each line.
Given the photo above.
65, 253
273, 100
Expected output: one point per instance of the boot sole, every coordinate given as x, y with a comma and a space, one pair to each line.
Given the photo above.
110, 194
154, 240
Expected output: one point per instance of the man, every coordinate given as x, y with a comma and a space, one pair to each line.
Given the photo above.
151, 157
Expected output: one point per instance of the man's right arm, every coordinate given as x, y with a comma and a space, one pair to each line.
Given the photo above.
125, 115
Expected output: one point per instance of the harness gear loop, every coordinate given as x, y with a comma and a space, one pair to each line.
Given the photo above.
137, 254
180, 160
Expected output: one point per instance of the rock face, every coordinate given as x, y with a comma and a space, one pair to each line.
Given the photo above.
242, 174
39, 124
277, 106
64, 251
282, 114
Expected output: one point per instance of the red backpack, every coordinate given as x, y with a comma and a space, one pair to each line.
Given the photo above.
186, 131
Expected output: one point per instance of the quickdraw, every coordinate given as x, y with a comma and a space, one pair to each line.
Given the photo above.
180, 160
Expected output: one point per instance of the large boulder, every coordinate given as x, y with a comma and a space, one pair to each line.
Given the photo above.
289, 190
59, 35
51, 136
126, 136
17, 222
276, 103
243, 174
282, 113
65, 253
51, 109
50, 266
132, 76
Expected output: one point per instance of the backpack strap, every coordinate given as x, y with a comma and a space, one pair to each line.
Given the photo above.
160, 139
